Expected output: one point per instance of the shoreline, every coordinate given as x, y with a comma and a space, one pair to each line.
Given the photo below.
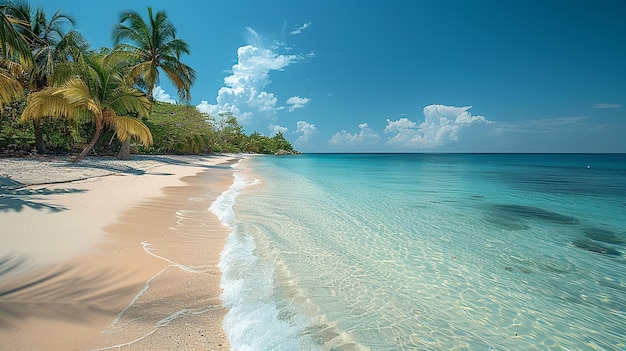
113, 253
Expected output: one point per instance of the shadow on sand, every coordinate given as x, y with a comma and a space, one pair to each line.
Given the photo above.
126, 167
61, 292
15, 198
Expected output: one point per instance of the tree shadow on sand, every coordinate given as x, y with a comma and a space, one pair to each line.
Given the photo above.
127, 166
13, 197
61, 292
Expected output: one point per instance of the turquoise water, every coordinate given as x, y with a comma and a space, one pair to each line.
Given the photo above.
426, 252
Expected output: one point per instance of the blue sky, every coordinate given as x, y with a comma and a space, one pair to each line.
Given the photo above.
401, 76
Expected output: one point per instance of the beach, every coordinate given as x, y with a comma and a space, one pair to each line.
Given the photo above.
111, 254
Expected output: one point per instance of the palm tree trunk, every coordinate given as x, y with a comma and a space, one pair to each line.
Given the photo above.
124, 153
40, 146
90, 146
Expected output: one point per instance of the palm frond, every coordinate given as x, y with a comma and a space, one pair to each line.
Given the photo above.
77, 93
135, 30
10, 88
182, 76
148, 72
49, 103
176, 47
127, 127
13, 36
129, 100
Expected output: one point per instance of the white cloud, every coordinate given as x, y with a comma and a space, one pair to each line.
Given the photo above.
365, 136
296, 102
160, 95
215, 110
308, 130
263, 102
441, 125
300, 29
601, 106
244, 92
546, 125
278, 129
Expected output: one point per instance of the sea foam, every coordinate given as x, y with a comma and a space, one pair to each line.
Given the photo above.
253, 321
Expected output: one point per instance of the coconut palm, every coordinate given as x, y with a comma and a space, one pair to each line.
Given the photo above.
51, 46
14, 55
100, 93
152, 46
13, 43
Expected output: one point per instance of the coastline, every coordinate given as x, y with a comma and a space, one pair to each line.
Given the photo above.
108, 253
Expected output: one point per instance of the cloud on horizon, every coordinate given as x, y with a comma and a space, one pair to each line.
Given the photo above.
441, 126
244, 92
364, 137
603, 106
546, 125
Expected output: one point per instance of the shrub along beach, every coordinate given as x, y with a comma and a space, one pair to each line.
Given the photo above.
98, 251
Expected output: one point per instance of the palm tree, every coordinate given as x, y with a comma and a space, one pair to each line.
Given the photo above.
100, 93
51, 46
152, 46
12, 41
14, 55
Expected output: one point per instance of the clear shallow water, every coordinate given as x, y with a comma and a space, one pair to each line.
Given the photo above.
426, 252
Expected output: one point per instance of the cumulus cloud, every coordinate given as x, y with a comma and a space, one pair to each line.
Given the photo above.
365, 136
300, 29
441, 125
244, 92
601, 106
307, 131
278, 129
160, 95
296, 102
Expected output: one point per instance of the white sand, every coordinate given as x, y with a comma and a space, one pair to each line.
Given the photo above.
96, 254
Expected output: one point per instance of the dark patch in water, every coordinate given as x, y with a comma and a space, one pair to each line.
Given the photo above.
521, 269
555, 267
530, 212
594, 246
506, 223
612, 285
603, 235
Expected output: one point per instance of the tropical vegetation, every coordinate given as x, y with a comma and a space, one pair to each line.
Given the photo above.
57, 95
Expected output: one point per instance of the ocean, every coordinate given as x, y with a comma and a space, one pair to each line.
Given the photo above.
426, 252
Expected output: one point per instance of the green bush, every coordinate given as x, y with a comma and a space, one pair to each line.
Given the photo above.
176, 129
14, 136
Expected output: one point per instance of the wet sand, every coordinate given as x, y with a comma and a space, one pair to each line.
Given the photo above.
127, 259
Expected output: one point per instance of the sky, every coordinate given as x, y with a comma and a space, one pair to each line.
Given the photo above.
399, 76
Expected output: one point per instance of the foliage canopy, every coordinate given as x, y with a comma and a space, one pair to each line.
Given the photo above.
81, 98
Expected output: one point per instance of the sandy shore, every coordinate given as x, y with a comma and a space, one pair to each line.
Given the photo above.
109, 254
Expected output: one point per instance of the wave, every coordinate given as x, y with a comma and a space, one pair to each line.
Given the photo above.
253, 321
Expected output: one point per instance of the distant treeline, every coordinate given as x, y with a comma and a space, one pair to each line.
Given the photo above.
176, 129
